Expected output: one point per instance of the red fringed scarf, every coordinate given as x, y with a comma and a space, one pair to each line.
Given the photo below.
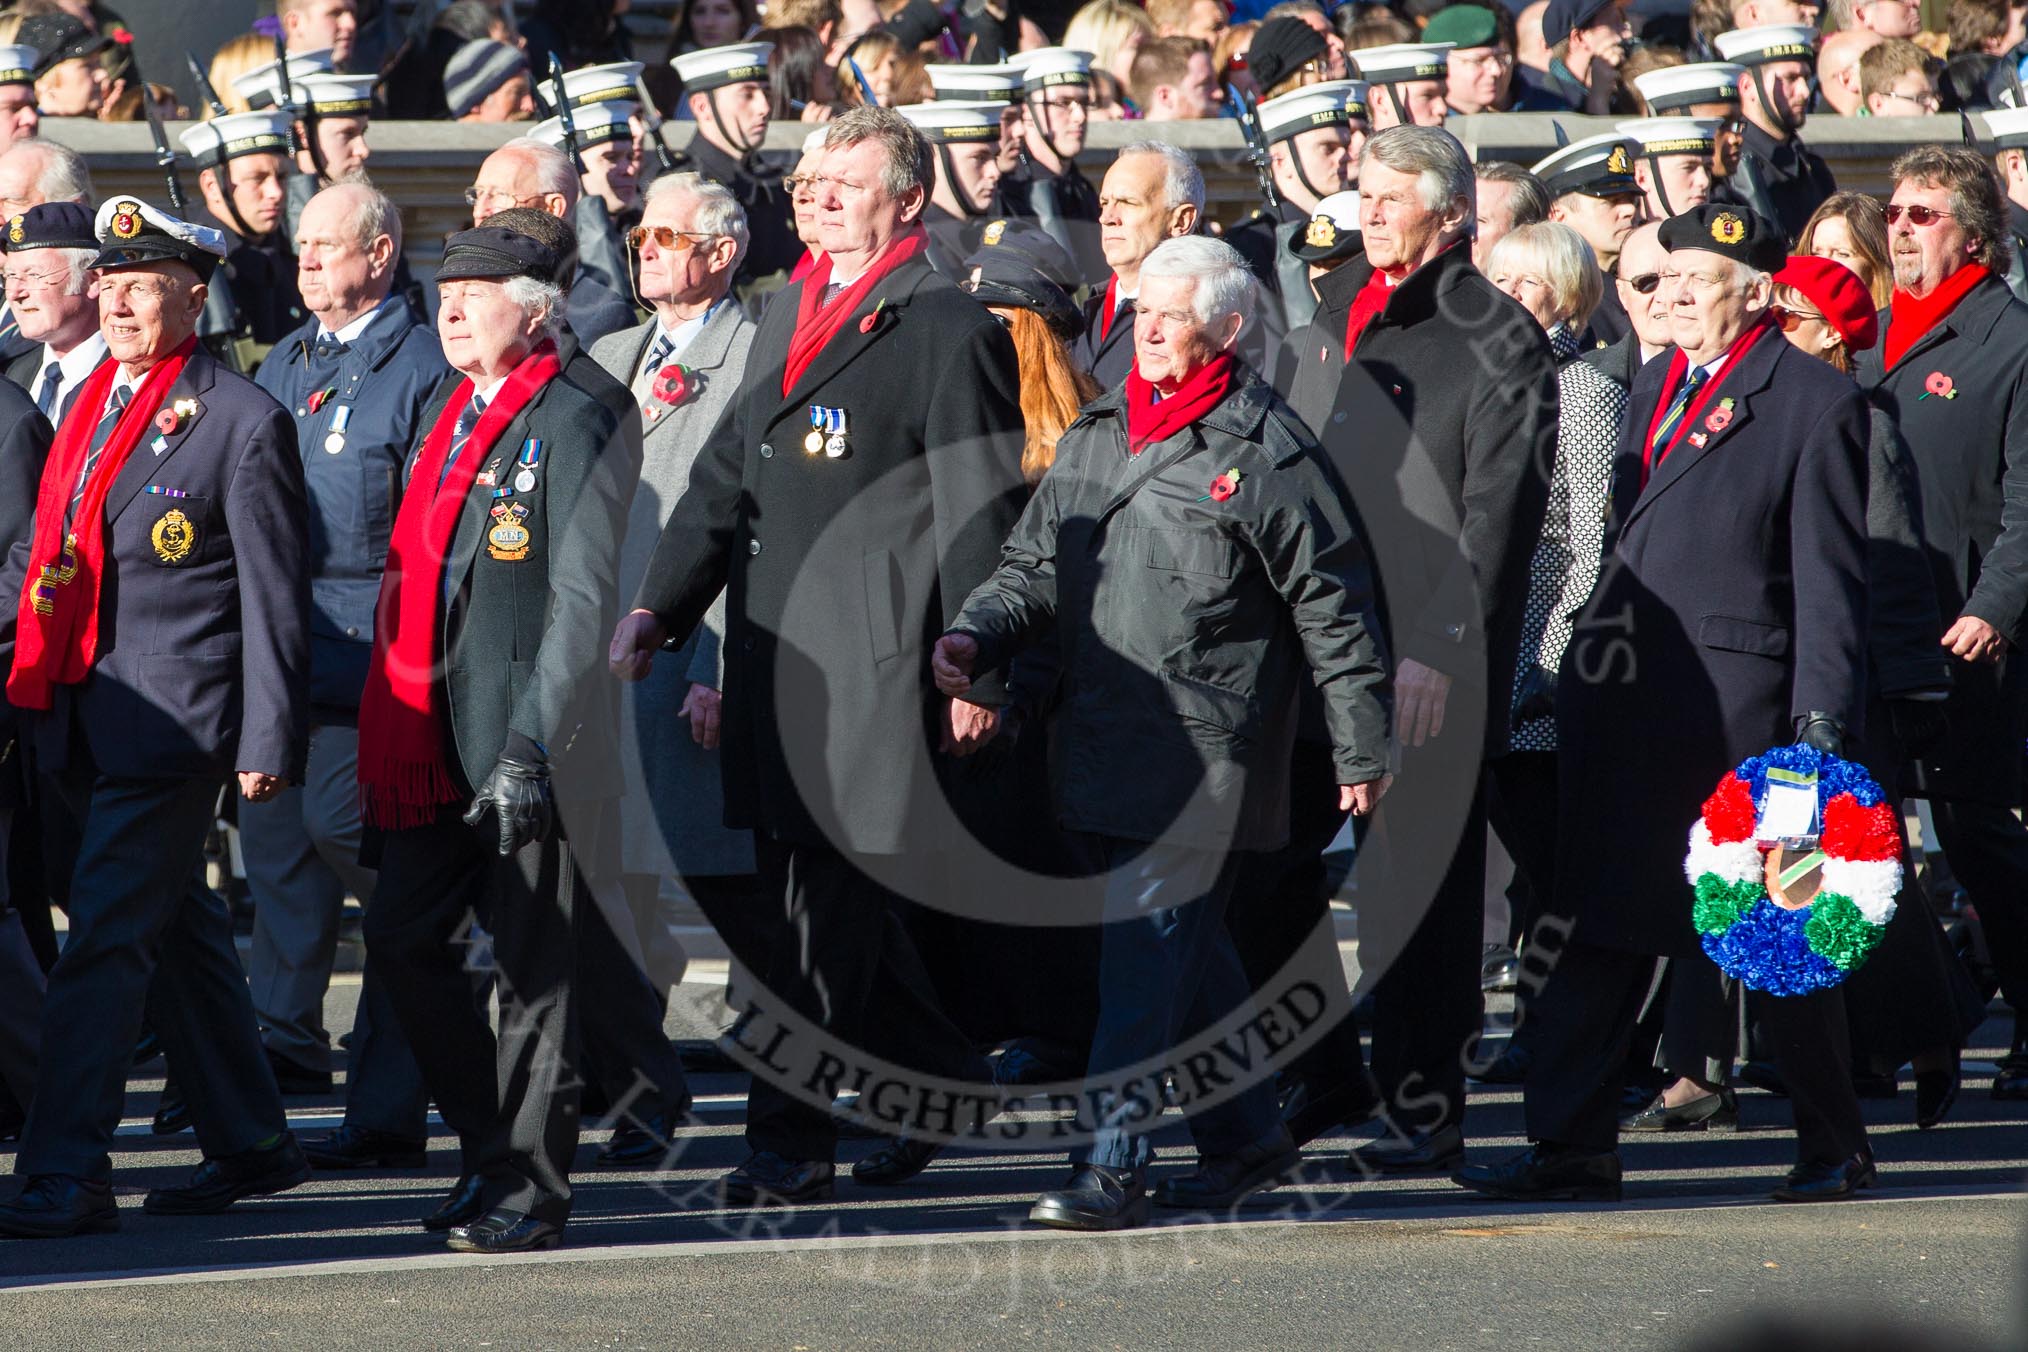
1150, 420
1679, 368
817, 323
1366, 307
404, 774
58, 614
1910, 317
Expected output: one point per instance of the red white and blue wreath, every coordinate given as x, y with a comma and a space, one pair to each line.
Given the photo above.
1801, 912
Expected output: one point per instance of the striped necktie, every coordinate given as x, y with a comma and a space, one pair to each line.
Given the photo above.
468, 421
644, 384
1665, 431
115, 406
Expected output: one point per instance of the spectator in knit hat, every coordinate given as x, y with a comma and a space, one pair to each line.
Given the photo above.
487, 81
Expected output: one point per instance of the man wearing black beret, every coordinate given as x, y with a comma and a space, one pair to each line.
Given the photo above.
54, 300
1730, 618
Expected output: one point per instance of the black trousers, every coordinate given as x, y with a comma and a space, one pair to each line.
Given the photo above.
511, 1099
1280, 912
1586, 1014
1988, 850
146, 936
626, 1053
841, 960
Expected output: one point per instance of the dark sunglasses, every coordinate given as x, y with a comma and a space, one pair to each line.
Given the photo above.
1786, 319
1645, 283
1916, 215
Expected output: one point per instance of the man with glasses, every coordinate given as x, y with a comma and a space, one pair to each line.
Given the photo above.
726, 90
1894, 80
1779, 178
1952, 367
1046, 187
243, 171
1480, 64
530, 174
53, 297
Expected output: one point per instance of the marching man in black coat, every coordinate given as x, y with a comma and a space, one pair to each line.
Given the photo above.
854, 493
1730, 618
487, 733
160, 652
1198, 564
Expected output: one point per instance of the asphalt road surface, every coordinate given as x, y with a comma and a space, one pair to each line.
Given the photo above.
1932, 1258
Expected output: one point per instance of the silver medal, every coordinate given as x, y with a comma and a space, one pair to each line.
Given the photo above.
334, 442
524, 482
834, 445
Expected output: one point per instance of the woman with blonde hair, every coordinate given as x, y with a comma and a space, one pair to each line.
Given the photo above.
1112, 31
1851, 228
235, 58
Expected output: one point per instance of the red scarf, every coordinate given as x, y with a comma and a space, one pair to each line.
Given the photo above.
805, 265
1679, 368
817, 323
1112, 300
404, 771
1366, 307
1910, 317
1150, 420
57, 617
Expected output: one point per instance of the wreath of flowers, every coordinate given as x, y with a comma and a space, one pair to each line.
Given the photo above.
1768, 946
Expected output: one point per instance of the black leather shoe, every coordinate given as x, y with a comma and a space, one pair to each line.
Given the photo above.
1509, 1067
1096, 1198
768, 1179
1827, 1182
1935, 1092
352, 1147
1422, 1152
1309, 1111
292, 1078
57, 1206
634, 1144
896, 1162
1544, 1173
2010, 1083
504, 1232
172, 1113
1707, 1112
219, 1183
1223, 1181
461, 1207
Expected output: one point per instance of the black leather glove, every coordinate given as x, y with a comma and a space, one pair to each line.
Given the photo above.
1820, 730
518, 793
1919, 724
1537, 696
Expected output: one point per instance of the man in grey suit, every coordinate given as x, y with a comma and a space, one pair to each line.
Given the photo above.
683, 367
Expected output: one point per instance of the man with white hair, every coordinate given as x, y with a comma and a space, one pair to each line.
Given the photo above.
37, 171
528, 173
1436, 395
53, 297
1257, 587
1153, 192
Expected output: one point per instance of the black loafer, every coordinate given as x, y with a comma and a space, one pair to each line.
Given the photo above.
1223, 1181
1717, 1111
1544, 1173
634, 1144
1309, 1111
57, 1206
504, 1232
1827, 1182
293, 1079
1096, 1198
768, 1179
461, 1207
172, 1113
1935, 1092
352, 1147
218, 1183
1422, 1152
896, 1162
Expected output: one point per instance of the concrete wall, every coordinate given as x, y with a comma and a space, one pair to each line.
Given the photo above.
426, 166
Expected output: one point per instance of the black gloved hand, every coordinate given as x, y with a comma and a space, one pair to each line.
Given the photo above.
1536, 697
1919, 724
518, 793
1820, 730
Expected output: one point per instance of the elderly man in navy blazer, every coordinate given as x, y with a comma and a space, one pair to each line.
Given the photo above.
158, 655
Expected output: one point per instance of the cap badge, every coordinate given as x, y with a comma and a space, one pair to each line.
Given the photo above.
126, 220
1616, 163
1322, 234
15, 231
1728, 228
994, 231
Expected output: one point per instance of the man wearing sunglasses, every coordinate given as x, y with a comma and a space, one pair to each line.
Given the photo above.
726, 90
1638, 285
1779, 178
1952, 367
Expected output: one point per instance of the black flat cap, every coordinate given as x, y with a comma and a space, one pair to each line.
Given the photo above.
1020, 267
1734, 232
1279, 49
489, 251
52, 225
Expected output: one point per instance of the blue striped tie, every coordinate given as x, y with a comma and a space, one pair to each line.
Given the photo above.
468, 421
1665, 431
115, 406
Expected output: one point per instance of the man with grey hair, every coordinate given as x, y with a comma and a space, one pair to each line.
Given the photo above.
683, 368
1153, 192
53, 298
355, 378
525, 172
868, 466
1509, 198
38, 171
1181, 669
1436, 396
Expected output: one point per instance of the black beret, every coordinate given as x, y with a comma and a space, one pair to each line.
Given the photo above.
1020, 267
1279, 49
1733, 232
51, 225
494, 251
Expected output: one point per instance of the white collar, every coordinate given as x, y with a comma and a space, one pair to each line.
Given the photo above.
350, 333
77, 363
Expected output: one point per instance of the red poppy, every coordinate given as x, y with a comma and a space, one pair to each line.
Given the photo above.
165, 421
672, 384
866, 324
1225, 485
1939, 384
1719, 419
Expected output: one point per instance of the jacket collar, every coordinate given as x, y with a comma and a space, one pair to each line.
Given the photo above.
1972, 318
1740, 381
1413, 299
194, 381
380, 340
891, 294
1240, 414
